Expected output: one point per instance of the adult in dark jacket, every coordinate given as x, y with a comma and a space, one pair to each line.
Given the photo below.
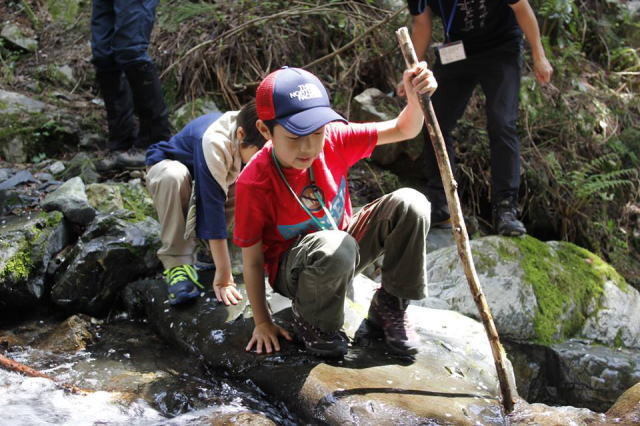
127, 77
482, 46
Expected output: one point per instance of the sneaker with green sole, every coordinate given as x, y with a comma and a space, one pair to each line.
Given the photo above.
183, 283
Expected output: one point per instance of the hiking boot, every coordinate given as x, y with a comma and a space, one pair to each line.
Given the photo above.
505, 219
389, 313
330, 344
183, 284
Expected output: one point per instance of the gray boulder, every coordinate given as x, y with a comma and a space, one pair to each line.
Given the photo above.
16, 36
594, 373
373, 105
541, 292
13, 102
70, 198
114, 250
542, 295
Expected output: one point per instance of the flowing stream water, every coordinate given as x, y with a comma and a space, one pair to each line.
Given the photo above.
133, 378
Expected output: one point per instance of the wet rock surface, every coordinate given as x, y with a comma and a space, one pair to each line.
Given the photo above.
27, 244
113, 251
452, 379
606, 314
71, 200
130, 377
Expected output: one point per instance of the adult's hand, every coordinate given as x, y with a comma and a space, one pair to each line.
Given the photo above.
543, 70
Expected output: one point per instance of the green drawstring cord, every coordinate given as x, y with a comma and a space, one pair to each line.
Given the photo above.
182, 272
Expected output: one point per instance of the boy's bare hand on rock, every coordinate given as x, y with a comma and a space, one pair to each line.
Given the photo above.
227, 293
265, 336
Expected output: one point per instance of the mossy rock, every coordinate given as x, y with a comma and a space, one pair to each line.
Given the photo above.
541, 292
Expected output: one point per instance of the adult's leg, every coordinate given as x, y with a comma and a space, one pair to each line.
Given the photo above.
112, 84
169, 183
134, 23
500, 81
455, 86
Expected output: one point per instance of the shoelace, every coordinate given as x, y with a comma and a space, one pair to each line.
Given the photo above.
181, 273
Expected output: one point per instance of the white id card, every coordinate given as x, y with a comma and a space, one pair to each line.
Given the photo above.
452, 52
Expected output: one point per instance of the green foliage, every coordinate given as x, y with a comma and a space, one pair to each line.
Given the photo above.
600, 177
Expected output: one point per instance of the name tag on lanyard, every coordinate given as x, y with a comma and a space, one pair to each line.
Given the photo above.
452, 52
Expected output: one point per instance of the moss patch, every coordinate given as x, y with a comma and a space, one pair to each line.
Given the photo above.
19, 266
136, 200
565, 283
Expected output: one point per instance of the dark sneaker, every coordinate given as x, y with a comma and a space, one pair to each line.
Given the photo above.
183, 284
440, 216
331, 344
132, 158
389, 313
204, 261
505, 219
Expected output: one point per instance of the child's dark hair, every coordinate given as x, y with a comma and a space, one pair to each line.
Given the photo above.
246, 119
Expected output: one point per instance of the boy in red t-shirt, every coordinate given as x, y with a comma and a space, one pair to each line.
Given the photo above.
293, 216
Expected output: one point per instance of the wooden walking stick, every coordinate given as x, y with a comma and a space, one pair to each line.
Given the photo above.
459, 227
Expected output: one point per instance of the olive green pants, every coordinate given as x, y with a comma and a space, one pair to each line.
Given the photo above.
317, 270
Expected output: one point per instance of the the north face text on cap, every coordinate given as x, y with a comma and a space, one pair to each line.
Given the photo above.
306, 91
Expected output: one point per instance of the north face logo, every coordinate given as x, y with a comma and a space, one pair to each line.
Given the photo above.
306, 91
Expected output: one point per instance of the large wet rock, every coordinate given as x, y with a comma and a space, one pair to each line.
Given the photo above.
594, 375
114, 250
71, 200
626, 410
541, 295
452, 380
541, 292
72, 335
27, 246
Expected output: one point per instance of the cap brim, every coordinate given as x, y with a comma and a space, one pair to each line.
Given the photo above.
309, 120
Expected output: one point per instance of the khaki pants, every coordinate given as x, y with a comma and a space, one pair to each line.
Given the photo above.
316, 271
169, 183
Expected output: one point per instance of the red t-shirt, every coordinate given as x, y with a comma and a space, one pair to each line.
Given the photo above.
267, 211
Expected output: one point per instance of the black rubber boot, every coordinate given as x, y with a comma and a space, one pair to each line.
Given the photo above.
505, 218
118, 102
149, 104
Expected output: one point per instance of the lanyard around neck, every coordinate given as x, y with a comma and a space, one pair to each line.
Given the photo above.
315, 193
447, 23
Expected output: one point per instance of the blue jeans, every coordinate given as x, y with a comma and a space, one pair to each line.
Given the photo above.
120, 32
